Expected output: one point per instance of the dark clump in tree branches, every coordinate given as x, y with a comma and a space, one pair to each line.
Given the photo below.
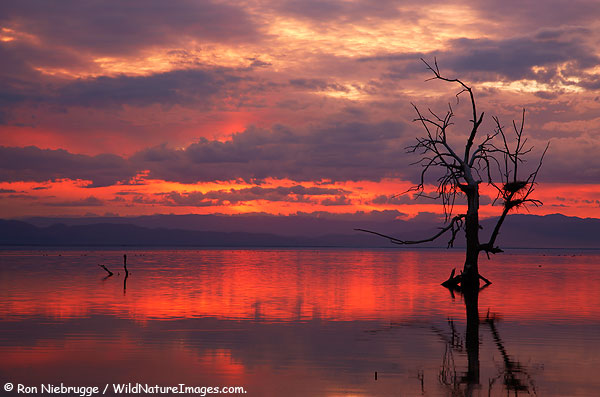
495, 160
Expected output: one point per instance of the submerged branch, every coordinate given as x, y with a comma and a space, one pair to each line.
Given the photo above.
108, 271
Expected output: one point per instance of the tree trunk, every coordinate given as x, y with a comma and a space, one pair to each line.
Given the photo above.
470, 275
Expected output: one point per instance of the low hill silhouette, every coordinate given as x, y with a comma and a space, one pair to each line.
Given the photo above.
519, 231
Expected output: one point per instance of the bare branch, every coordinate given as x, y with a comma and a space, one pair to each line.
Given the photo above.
476, 121
454, 226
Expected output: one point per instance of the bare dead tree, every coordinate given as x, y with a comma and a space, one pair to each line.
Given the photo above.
495, 161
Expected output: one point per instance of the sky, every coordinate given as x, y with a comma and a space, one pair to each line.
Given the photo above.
141, 107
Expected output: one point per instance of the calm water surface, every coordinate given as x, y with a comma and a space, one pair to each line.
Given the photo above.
301, 322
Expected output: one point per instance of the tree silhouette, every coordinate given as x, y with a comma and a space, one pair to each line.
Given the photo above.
495, 161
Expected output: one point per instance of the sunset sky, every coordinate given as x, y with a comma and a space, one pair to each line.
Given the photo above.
142, 107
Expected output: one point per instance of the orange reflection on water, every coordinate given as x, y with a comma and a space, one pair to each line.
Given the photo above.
245, 284
292, 322
295, 285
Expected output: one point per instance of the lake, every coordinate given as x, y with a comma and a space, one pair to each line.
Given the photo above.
324, 322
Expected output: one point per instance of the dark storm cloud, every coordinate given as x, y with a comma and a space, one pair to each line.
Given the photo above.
34, 164
341, 152
525, 14
69, 35
200, 88
339, 200
175, 87
516, 15
17, 78
119, 27
396, 199
193, 199
571, 161
558, 54
294, 194
514, 58
590, 82
402, 56
91, 201
317, 84
22, 197
354, 151
329, 10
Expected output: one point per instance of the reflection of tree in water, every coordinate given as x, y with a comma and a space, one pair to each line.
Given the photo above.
515, 376
448, 375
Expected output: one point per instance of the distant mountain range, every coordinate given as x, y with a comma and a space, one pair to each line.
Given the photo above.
260, 230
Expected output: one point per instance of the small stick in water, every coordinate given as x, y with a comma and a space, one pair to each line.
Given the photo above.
104, 267
126, 274
125, 265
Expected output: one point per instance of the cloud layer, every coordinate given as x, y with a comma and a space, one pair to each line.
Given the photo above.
307, 92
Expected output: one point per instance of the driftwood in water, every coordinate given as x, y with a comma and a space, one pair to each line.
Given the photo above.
454, 282
108, 271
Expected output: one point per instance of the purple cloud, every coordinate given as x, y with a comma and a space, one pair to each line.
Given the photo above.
90, 201
294, 194
122, 27
34, 164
